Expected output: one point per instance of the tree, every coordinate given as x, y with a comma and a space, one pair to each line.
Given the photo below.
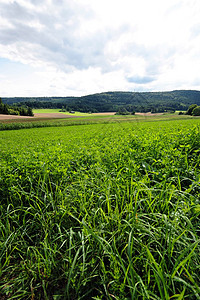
5, 109
190, 109
196, 111
15, 110
30, 112
122, 111
22, 111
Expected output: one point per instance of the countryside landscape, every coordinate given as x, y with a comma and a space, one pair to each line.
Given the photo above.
99, 150
100, 205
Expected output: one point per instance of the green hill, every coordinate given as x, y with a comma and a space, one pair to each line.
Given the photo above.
112, 101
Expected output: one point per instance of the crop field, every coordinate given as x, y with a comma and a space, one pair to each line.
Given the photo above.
100, 211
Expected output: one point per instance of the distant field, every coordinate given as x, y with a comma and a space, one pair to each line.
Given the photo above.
51, 111
42, 111
59, 119
100, 211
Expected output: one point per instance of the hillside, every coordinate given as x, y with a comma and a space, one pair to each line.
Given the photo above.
112, 101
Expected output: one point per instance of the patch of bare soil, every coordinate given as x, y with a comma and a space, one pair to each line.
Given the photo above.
53, 115
148, 114
104, 114
36, 116
13, 117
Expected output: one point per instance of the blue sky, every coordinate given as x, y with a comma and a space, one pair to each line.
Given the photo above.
79, 47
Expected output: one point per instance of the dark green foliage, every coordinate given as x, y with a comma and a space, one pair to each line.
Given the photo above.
15, 110
154, 102
63, 109
122, 111
193, 110
196, 111
190, 109
4, 108
24, 111
30, 112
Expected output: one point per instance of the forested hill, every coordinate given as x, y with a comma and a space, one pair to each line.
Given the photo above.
112, 101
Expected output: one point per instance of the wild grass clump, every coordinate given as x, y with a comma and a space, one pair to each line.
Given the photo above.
105, 211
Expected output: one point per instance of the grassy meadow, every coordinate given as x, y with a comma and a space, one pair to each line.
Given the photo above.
55, 110
103, 209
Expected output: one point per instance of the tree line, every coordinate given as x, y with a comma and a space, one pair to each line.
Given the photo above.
15, 110
155, 102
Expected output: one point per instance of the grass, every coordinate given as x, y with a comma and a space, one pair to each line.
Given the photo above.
101, 211
39, 111
45, 110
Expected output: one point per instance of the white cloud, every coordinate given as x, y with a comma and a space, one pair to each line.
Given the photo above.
77, 47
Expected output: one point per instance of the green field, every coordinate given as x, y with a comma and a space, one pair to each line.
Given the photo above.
50, 111
101, 211
45, 110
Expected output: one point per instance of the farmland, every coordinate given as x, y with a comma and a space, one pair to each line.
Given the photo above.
100, 208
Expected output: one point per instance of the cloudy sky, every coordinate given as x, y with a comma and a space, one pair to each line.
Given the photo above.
79, 47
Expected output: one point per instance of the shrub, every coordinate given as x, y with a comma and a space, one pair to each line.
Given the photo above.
196, 111
190, 109
122, 111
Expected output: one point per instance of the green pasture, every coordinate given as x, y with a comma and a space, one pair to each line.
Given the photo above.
45, 110
48, 111
107, 210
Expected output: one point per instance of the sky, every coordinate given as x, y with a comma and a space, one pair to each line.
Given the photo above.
81, 47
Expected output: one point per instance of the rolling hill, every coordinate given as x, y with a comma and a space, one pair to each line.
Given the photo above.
112, 101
